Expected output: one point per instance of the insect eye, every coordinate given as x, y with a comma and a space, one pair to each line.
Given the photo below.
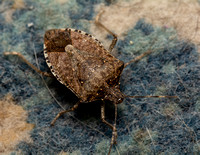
120, 100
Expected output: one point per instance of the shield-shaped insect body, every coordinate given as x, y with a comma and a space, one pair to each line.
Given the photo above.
80, 62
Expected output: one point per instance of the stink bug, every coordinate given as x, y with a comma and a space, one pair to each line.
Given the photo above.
82, 64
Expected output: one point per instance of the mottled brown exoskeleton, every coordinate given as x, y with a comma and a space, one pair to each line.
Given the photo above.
82, 64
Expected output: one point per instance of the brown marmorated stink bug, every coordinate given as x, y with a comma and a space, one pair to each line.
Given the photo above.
82, 64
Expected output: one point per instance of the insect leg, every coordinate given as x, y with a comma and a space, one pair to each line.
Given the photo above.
103, 116
114, 41
28, 63
114, 133
135, 60
65, 111
138, 58
113, 127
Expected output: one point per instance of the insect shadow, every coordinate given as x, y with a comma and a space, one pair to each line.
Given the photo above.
81, 63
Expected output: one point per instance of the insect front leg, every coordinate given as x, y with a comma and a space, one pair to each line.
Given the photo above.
114, 41
113, 127
138, 58
28, 63
65, 111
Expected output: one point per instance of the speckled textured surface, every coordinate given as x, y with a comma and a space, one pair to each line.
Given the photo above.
145, 126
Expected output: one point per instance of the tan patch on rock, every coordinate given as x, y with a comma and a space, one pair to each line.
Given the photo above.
17, 4
13, 126
121, 16
62, 1
8, 15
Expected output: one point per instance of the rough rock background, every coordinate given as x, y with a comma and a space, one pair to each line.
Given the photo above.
145, 126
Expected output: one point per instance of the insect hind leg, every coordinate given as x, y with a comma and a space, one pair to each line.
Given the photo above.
28, 63
97, 22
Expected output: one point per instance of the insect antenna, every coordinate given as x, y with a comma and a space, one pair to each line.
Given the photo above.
148, 96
